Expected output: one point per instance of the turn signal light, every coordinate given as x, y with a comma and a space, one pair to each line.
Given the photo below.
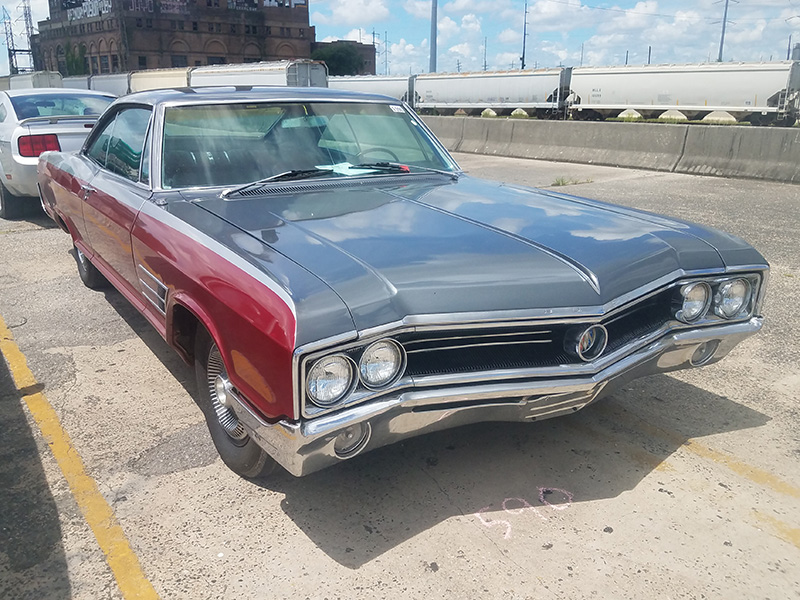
34, 145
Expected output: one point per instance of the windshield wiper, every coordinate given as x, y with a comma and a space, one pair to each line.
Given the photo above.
394, 167
285, 176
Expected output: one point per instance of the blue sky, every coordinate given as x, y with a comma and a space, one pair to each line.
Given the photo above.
680, 31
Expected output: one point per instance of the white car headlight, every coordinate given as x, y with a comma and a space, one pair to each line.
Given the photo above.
329, 380
381, 363
696, 299
731, 297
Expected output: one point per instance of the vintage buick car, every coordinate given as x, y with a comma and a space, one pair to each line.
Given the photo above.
340, 284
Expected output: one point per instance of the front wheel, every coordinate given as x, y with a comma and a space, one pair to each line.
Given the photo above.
236, 448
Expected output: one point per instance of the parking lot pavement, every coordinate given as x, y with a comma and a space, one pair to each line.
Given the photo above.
681, 486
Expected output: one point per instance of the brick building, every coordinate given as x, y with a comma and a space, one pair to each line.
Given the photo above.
109, 36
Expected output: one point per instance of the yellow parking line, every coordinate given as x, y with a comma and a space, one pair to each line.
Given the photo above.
98, 514
741, 468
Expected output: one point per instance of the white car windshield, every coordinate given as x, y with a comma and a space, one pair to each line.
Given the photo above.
235, 144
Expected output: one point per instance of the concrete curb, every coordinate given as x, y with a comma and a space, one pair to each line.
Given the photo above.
753, 152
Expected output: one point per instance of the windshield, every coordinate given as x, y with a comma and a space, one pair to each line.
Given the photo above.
59, 105
230, 144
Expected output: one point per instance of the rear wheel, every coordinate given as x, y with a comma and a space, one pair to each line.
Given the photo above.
236, 448
91, 277
11, 206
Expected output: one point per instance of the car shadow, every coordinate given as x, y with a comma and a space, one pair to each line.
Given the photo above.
32, 558
486, 474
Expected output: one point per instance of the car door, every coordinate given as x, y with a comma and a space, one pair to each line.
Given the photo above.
114, 196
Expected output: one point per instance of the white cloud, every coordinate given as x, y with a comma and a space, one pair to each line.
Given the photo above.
420, 9
464, 50
353, 12
471, 23
447, 28
457, 6
510, 36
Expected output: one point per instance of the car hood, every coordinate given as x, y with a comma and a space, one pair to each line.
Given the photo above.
432, 247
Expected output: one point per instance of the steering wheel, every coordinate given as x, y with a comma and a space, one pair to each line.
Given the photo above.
378, 150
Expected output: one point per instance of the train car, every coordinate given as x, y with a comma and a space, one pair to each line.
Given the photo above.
33, 79
79, 82
293, 73
397, 86
542, 92
761, 93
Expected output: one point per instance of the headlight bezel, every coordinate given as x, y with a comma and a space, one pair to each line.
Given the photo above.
359, 389
712, 312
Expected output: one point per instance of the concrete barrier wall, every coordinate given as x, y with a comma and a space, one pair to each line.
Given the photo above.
753, 152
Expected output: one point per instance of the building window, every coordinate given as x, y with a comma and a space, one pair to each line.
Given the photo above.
85, 64
138, 24
104, 68
149, 23
233, 28
194, 25
198, 63
302, 33
179, 60
174, 24
211, 28
95, 67
181, 25
114, 63
216, 60
83, 27
142, 62
218, 27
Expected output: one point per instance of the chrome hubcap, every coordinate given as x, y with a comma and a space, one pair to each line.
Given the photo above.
219, 387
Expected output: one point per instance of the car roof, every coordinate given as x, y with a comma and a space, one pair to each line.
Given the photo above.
56, 91
250, 94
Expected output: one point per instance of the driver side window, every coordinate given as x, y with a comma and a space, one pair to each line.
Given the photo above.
118, 148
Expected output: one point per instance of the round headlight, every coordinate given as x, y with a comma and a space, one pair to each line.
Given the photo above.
329, 380
381, 363
732, 296
696, 298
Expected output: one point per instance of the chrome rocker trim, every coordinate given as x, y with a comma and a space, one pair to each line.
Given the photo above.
305, 446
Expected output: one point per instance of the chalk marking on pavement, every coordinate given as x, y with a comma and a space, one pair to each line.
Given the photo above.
98, 514
754, 474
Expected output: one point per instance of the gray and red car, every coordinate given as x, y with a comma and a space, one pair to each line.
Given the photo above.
340, 284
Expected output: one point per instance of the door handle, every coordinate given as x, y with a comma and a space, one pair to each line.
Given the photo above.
86, 191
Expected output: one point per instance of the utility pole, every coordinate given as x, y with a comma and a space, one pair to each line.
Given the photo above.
486, 41
524, 35
458, 66
434, 23
649, 53
386, 52
724, 24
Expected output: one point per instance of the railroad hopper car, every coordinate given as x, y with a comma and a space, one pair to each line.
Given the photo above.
396, 86
761, 93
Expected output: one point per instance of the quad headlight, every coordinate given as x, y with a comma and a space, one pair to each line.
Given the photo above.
695, 300
381, 363
732, 298
329, 380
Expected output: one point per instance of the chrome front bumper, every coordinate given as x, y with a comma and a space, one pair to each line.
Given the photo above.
305, 446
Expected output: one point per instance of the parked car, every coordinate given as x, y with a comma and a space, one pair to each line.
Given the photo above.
33, 121
340, 284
